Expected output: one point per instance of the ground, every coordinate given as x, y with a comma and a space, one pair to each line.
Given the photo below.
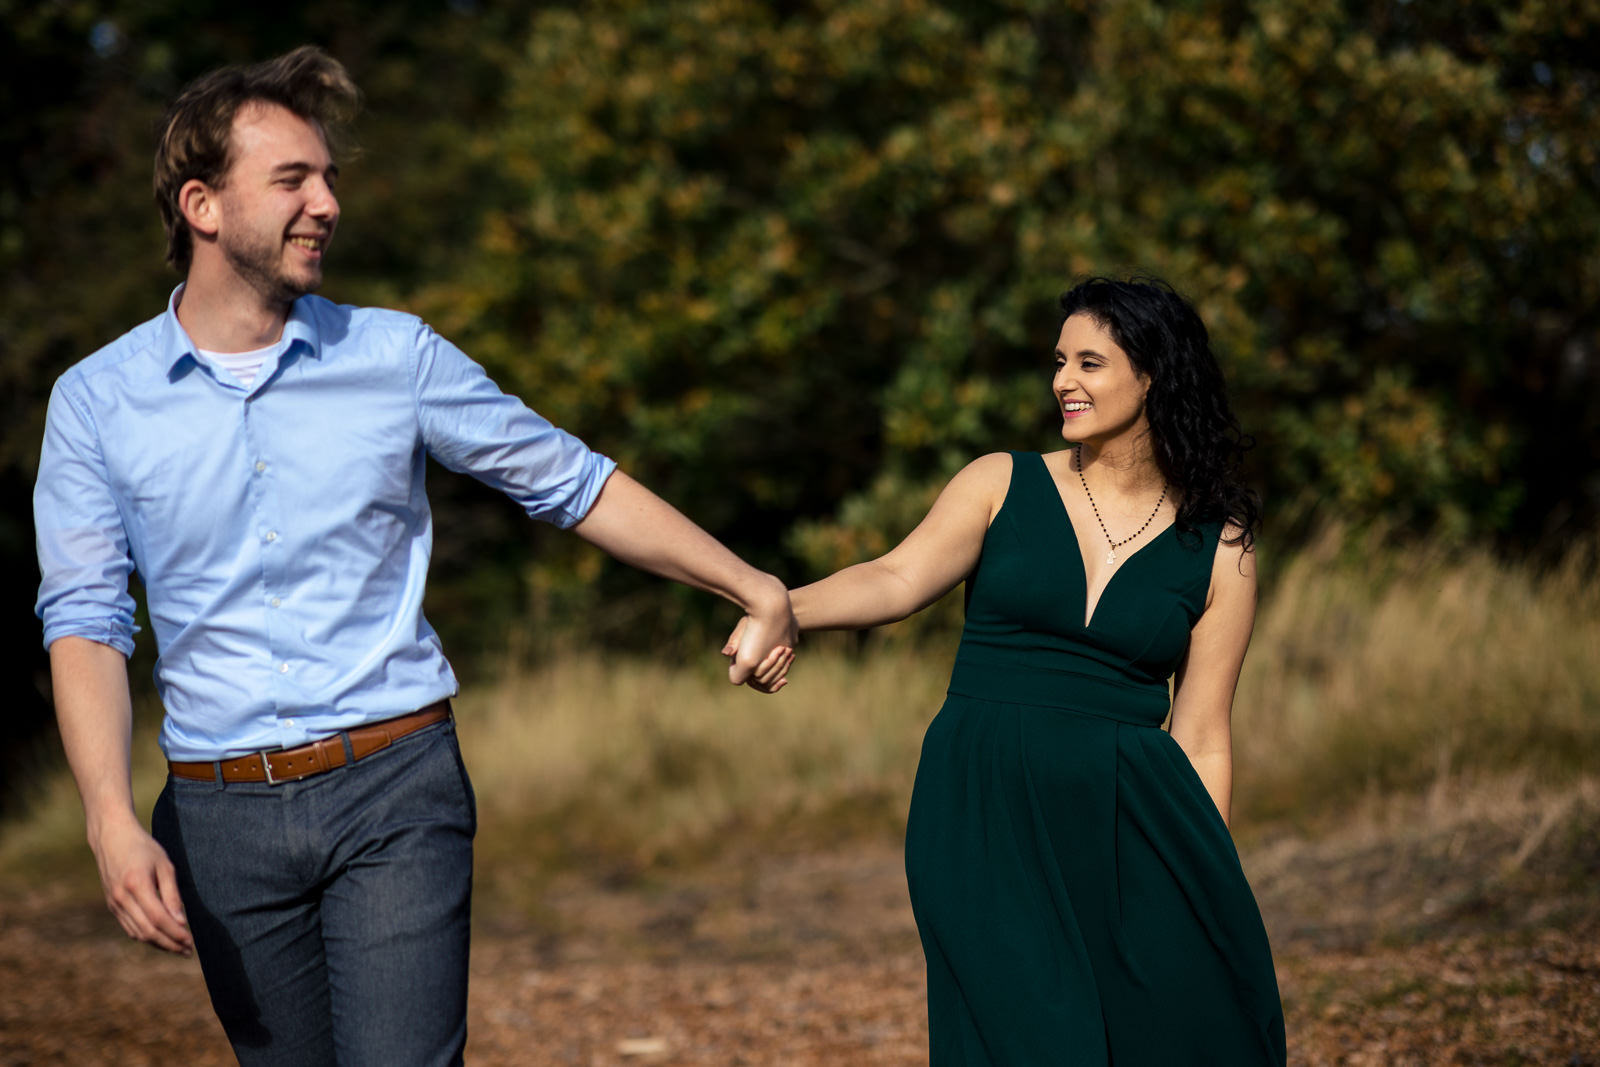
1470, 940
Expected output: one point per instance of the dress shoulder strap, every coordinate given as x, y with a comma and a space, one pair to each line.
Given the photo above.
1033, 494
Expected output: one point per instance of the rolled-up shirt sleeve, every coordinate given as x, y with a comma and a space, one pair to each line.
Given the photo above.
83, 546
469, 425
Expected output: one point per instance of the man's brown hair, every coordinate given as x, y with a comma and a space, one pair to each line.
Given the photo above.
196, 135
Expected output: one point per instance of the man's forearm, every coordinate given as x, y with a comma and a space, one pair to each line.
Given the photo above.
95, 714
637, 527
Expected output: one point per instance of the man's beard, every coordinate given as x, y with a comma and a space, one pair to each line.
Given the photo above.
259, 263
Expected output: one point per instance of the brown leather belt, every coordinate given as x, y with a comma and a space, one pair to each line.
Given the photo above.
277, 766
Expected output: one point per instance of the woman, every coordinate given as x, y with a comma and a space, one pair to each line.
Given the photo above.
1077, 892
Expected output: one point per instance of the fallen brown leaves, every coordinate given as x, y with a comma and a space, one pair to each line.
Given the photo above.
1407, 945
1532, 999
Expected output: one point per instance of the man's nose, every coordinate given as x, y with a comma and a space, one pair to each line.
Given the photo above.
323, 204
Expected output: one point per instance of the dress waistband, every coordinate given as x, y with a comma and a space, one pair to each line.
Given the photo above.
1080, 694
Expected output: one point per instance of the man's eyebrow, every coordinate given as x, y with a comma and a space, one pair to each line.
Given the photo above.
303, 168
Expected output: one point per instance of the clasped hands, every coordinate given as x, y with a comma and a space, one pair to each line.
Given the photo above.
761, 647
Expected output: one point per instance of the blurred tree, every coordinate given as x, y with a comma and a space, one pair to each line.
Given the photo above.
779, 256
796, 262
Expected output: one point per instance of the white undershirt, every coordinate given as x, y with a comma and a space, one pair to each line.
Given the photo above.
242, 365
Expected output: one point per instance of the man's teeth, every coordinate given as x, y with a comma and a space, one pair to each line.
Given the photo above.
306, 242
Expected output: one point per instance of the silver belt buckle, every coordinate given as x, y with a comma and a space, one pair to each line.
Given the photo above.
266, 767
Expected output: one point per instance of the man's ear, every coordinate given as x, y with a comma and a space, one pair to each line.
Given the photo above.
198, 203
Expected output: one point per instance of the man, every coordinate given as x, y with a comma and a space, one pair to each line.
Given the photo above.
257, 454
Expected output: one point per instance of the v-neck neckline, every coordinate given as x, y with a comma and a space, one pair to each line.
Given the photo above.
1091, 608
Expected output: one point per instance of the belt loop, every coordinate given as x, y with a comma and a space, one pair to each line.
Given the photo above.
216, 767
349, 749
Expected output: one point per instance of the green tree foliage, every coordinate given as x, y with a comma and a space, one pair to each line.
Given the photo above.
799, 260
794, 263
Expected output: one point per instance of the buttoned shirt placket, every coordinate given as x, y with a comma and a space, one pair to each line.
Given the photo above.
274, 539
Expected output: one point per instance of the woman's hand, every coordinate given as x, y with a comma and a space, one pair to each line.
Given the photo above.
771, 674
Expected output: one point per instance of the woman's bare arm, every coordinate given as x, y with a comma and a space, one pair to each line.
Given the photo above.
933, 558
1202, 708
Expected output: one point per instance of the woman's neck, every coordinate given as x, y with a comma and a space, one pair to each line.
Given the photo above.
1126, 465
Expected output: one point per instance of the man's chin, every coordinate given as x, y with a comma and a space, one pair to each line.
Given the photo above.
292, 289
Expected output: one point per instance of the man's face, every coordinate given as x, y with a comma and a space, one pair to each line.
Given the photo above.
278, 210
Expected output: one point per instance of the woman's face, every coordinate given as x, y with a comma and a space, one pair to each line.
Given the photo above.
1100, 393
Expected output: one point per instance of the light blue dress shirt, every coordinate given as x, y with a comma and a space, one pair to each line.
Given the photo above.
281, 532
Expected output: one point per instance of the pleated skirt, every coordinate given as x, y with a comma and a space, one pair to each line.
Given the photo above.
1080, 900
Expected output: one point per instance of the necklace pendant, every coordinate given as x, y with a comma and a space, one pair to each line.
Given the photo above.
1111, 557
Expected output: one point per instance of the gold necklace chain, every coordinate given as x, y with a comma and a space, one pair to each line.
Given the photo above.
1111, 553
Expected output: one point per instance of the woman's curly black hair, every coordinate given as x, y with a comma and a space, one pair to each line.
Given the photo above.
1197, 441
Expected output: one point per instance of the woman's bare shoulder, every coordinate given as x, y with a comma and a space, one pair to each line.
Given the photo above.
1234, 569
988, 468
985, 481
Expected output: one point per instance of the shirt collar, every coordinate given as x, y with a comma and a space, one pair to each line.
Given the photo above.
174, 344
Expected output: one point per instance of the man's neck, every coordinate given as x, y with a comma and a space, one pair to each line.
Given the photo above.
221, 313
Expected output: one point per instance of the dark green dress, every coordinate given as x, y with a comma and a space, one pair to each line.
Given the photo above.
1079, 898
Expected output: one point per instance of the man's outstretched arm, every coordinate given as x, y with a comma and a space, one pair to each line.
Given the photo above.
634, 525
95, 714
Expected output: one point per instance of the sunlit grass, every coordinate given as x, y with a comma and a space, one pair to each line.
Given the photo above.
1372, 672
624, 765
1370, 675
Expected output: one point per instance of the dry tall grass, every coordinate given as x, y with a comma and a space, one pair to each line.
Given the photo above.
1375, 671
1370, 674
623, 765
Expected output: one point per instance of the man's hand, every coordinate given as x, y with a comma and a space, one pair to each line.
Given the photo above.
774, 632
141, 886
95, 714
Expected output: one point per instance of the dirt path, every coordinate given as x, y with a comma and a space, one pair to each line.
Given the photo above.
1429, 950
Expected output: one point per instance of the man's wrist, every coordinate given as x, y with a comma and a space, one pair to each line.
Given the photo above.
109, 817
769, 597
